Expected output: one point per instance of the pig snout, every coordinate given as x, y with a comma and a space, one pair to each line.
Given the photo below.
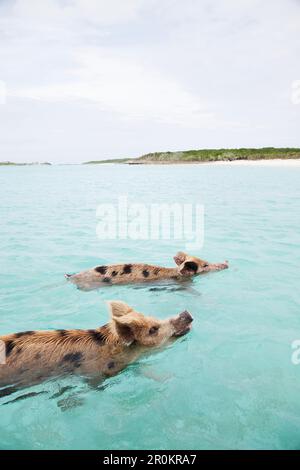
185, 317
219, 266
224, 265
182, 323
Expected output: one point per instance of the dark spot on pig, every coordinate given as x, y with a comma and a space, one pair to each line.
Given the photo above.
111, 365
38, 356
106, 279
9, 346
73, 358
19, 350
24, 333
101, 269
145, 273
127, 269
156, 271
114, 273
62, 333
97, 336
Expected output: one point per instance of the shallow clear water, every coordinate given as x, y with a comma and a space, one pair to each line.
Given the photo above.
230, 383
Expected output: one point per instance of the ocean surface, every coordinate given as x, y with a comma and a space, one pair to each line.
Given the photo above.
230, 383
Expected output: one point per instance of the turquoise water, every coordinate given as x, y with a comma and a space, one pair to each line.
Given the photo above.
228, 384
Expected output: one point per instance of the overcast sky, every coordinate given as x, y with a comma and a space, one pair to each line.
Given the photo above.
95, 79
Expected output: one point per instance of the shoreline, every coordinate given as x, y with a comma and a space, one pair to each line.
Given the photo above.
294, 162
271, 162
277, 162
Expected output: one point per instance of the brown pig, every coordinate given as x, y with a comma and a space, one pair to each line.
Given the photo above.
187, 267
34, 356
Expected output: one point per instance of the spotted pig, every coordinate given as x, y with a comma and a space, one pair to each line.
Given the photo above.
186, 267
34, 356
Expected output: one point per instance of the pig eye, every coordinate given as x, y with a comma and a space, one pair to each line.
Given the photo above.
153, 330
205, 265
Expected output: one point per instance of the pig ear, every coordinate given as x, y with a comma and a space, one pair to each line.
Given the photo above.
180, 257
118, 308
124, 328
189, 268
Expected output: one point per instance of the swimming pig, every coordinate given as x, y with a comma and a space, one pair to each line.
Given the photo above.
187, 266
33, 356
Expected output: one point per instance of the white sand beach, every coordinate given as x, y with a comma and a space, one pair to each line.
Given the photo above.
276, 162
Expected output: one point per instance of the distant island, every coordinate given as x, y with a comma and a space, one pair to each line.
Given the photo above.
23, 164
207, 155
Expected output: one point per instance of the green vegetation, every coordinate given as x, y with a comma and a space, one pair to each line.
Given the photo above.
209, 155
113, 160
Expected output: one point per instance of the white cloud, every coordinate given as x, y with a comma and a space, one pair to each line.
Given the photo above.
97, 73
100, 11
125, 87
